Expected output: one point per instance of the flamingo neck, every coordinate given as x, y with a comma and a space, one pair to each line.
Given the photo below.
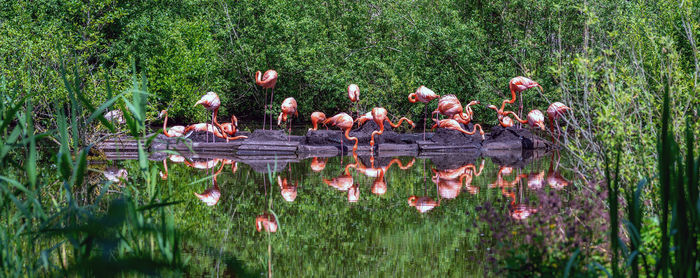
412, 97
258, 77
165, 125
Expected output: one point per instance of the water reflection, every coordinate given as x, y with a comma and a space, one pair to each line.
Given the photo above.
320, 222
211, 195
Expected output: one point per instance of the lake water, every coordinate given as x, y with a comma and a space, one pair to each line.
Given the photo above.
360, 216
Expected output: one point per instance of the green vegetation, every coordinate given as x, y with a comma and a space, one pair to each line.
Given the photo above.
628, 69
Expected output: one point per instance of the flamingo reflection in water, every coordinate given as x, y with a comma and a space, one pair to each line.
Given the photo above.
345, 182
266, 222
379, 186
423, 204
211, 195
450, 181
318, 164
288, 191
554, 178
174, 158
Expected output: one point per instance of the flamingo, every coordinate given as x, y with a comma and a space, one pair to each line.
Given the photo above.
517, 85
422, 204
211, 102
554, 178
354, 193
266, 222
555, 111
117, 175
115, 116
466, 116
316, 118
176, 131
379, 116
535, 180
267, 81
535, 118
454, 125
231, 128
379, 185
424, 95
288, 191
364, 118
449, 106
289, 106
206, 127
503, 118
344, 122
354, 96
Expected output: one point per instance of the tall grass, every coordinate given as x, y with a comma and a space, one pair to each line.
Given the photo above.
678, 203
46, 234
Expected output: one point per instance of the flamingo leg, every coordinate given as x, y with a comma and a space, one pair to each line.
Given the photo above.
265, 113
425, 119
272, 100
289, 136
520, 112
341, 148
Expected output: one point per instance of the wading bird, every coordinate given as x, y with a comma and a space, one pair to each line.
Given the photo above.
116, 116
266, 222
231, 128
503, 118
211, 102
289, 106
535, 118
175, 131
424, 95
316, 118
466, 117
344, 122
206, 127
379, 116
454, 125
379, 185
450, 107
354, 96
555, 111
267, 81
364, 118
518, 85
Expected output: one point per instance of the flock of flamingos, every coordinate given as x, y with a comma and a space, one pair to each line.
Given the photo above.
448, 106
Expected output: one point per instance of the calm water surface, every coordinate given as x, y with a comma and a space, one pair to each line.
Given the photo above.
352, 216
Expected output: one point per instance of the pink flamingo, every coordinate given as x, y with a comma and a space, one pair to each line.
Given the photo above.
267, 81
354, 96
517, 85
344, 122
289, 106
535, 118
175, 131
379, 116
316, 118
454, 125
555, 111
424, 95
503, 118
211, 102
422, 204
289, 191
211, 195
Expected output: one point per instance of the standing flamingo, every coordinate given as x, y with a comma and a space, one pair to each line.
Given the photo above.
354, 96
454, 125
211, 102
379, 116
176, 131
517, 85
344, 122
289, 106
316, 118
267, 81
424, 95
555, 111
